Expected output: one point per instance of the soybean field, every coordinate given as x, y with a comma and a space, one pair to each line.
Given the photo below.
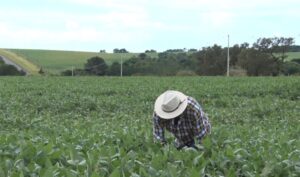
102, 126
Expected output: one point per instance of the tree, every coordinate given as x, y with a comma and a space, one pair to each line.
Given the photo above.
114, 69
142, 56
212, 61
175, 50
41, 71
150, 51
76, 72
257, 63
96, 66
276, 47
296, 60
123, 51
235, 51
294, 48
120, 50
291, 68
192, 50
67, 72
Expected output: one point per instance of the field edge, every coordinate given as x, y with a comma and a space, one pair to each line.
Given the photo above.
28, 66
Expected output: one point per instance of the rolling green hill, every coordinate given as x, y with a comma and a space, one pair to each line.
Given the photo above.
54, 61
30, 67
293, 55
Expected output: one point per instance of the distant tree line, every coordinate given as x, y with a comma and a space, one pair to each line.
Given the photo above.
120, 50
151, 51
9, 70
266, 57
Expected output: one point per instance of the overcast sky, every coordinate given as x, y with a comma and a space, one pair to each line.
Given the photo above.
137, 25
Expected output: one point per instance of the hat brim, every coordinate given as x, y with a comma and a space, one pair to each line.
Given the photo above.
170, 115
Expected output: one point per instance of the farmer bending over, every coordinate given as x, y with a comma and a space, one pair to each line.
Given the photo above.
182, 116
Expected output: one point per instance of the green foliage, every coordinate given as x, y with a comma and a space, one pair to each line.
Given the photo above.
257, 63
279, 45
120, 50
186, 73
296, 60
168, 63
1, 60
292, 55
150, 51
10, 70
96, 66
88, 126
54, 62
114, 69
291, 68
212, 61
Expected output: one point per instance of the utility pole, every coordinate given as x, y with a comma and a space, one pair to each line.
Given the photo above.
228, 59
121, 65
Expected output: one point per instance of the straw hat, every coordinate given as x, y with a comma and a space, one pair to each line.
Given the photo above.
170, 104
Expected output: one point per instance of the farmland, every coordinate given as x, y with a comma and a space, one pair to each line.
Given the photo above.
293, 55
91, 126
54, 61
28, 66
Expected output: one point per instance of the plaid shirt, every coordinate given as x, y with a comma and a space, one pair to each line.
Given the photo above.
190, 124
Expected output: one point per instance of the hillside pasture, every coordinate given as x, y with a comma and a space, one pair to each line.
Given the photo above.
293, 55
55, 61
30, 67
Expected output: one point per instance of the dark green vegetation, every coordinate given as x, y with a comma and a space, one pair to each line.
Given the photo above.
91, 126
54, 62
267, 56
26, 65
9, 70
209, 61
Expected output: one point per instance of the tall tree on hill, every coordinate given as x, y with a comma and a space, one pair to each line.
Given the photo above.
276, 47
120, 50
212, 61
257, 63
235, 51
96, 66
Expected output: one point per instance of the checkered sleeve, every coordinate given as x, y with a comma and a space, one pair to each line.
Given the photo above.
158, 130
200, 129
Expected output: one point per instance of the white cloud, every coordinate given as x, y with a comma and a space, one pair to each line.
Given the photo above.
72, 24
217, 19
137, 21
3, 27
129, 5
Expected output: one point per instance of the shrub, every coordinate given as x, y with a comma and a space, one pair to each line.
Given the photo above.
10, 70
186, 73
237, 71
291, 68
